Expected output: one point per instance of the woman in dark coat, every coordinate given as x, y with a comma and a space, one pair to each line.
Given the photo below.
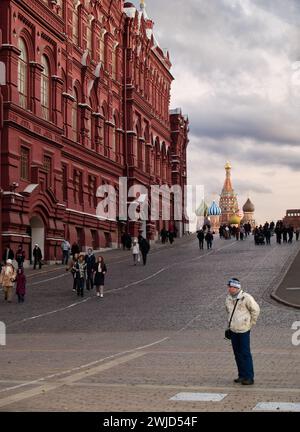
99, 272
21, 285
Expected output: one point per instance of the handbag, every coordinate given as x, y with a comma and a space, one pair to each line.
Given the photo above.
228, 331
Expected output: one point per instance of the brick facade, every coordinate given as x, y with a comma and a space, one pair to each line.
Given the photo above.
86, 101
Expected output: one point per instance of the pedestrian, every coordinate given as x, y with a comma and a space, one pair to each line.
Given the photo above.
243, 312
123, 240
209, 239
163, 235
66, 247
75, 249
297, 234
20, 256
100, 270
37, 257
291, 234
7, 279
135, 251
21, 285
8, 253
80, 274
242, 232
73, 272
128, 241
144, 248
200, 237
90, 262
171, 237
268, 236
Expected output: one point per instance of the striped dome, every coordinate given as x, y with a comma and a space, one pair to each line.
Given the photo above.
214, 209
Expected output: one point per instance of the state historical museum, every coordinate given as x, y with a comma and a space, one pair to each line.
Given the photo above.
85, 101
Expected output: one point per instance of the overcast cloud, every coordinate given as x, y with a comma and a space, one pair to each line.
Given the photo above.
237, 78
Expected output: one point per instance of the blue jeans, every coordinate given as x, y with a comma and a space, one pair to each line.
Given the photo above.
241, 348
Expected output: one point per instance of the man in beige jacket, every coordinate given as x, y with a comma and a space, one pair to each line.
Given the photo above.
242, 319
7, 278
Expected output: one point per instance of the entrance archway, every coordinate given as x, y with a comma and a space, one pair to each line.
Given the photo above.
37, 234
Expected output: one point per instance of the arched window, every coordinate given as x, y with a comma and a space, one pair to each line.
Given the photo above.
23, 74
75, 116
45, 89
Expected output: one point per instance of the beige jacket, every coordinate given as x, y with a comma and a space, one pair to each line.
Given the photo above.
245, 314
7, 278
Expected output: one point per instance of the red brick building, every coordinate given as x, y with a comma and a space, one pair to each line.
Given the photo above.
292, 218
86, 101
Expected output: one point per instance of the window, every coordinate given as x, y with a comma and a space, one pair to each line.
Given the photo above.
114, 62
45, 88
75, 26
89, 35
47, 165
65, 182
114, 136
102, 48
23, 74
24, 163
75, 116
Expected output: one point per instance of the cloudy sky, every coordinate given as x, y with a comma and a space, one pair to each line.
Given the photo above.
236, 65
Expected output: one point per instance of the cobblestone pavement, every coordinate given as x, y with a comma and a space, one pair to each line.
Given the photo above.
157, 332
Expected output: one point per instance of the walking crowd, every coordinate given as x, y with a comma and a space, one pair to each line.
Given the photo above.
262, 234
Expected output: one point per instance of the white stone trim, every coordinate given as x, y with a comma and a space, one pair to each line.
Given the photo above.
6, 234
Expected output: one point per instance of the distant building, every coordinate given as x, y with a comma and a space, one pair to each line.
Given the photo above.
292, 218
228, 199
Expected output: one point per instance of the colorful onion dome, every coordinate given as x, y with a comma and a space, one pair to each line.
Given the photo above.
248, 207
214, 210
234, 220
202, 209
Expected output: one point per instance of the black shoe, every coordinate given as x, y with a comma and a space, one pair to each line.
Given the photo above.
238, 380
247, 381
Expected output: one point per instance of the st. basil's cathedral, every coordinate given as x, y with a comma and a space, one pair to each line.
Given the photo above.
228, 211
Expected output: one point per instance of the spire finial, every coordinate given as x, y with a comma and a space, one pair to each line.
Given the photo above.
142, 4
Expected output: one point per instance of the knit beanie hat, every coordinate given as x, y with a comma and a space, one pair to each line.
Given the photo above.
233, 282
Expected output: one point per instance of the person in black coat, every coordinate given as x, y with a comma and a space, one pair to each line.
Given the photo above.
200, 237
128, 241
90, 263
8, 254
144, 248
209, 239
100, 270
20, 256
75, 249
37, 256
